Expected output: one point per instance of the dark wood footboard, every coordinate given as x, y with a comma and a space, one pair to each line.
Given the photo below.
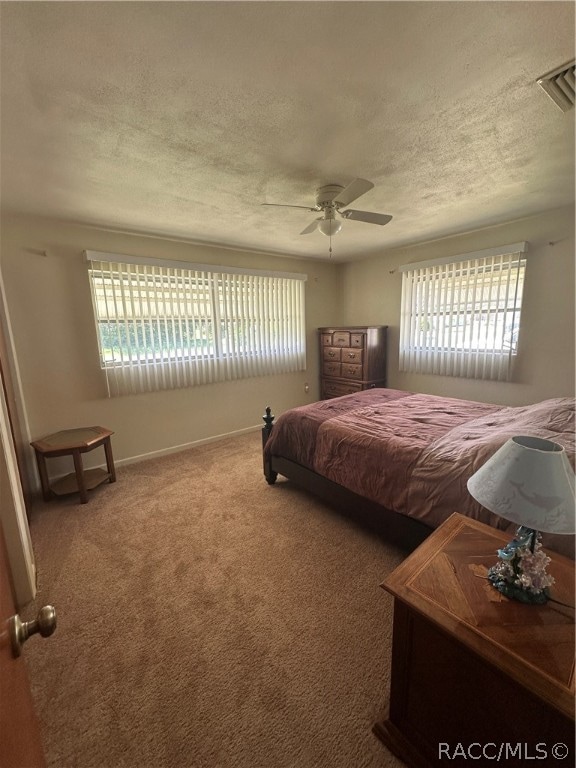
404, 531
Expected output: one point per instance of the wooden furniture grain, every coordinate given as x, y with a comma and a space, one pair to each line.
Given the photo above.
352, 358
74, 442
470, 666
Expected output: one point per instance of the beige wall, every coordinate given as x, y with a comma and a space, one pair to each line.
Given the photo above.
56, 348
545, 366
50, 309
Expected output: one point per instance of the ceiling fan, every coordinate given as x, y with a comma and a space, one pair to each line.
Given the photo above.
330, 199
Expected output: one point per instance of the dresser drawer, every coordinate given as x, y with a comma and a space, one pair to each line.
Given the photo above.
339, 388
331, 369
341, 339
331, 353
352, 356
326, 339
351, 371
357, 340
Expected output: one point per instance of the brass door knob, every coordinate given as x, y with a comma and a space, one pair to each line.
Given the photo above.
44, 624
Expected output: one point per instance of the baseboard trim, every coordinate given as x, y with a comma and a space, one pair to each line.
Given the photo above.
36, 495
184, 446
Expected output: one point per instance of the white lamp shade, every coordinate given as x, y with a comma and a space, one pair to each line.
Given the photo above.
329, 227
530, 482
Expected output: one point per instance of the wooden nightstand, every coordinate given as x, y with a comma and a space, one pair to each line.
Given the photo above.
471, 668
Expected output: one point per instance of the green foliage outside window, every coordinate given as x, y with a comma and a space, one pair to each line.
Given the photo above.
150, 340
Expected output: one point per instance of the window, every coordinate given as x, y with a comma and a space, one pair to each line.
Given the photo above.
165, 325
461, 316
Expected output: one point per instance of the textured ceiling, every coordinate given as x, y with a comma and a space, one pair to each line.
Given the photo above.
180, 119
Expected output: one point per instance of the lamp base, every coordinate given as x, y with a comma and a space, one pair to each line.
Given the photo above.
520, 572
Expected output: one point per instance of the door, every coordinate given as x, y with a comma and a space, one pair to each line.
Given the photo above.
20, 745
13, 510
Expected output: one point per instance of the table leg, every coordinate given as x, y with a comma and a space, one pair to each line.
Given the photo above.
80, 476
43, 472
109, 460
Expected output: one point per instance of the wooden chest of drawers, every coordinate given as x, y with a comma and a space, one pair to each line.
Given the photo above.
351, 359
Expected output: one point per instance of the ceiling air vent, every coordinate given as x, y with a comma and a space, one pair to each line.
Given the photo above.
559, 85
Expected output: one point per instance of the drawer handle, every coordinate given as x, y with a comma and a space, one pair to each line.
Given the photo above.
351, 355
331, 354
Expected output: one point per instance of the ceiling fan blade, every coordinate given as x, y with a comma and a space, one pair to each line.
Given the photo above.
311, 227
353, 191
367, 216
284, 205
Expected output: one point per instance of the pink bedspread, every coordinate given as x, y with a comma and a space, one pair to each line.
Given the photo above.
413, 453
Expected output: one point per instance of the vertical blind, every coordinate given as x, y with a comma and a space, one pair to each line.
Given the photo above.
461, 316
166, 325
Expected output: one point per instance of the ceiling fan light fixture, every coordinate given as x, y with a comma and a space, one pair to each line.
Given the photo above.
329, 200
329, 227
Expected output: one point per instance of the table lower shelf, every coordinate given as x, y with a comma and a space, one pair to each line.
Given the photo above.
69, 484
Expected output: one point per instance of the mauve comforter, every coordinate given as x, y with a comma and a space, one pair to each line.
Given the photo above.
413, 453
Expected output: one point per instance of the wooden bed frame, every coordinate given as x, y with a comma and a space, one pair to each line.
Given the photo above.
398, 529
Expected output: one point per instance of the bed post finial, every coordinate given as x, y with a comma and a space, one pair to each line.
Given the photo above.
268, 417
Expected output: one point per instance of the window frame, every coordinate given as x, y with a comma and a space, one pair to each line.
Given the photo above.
442, 293
150, 294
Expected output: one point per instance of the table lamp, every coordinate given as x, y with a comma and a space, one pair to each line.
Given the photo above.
530, 482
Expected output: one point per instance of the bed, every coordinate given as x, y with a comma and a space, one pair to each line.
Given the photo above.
404, 456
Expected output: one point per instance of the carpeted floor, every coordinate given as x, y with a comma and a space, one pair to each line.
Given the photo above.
208, 620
